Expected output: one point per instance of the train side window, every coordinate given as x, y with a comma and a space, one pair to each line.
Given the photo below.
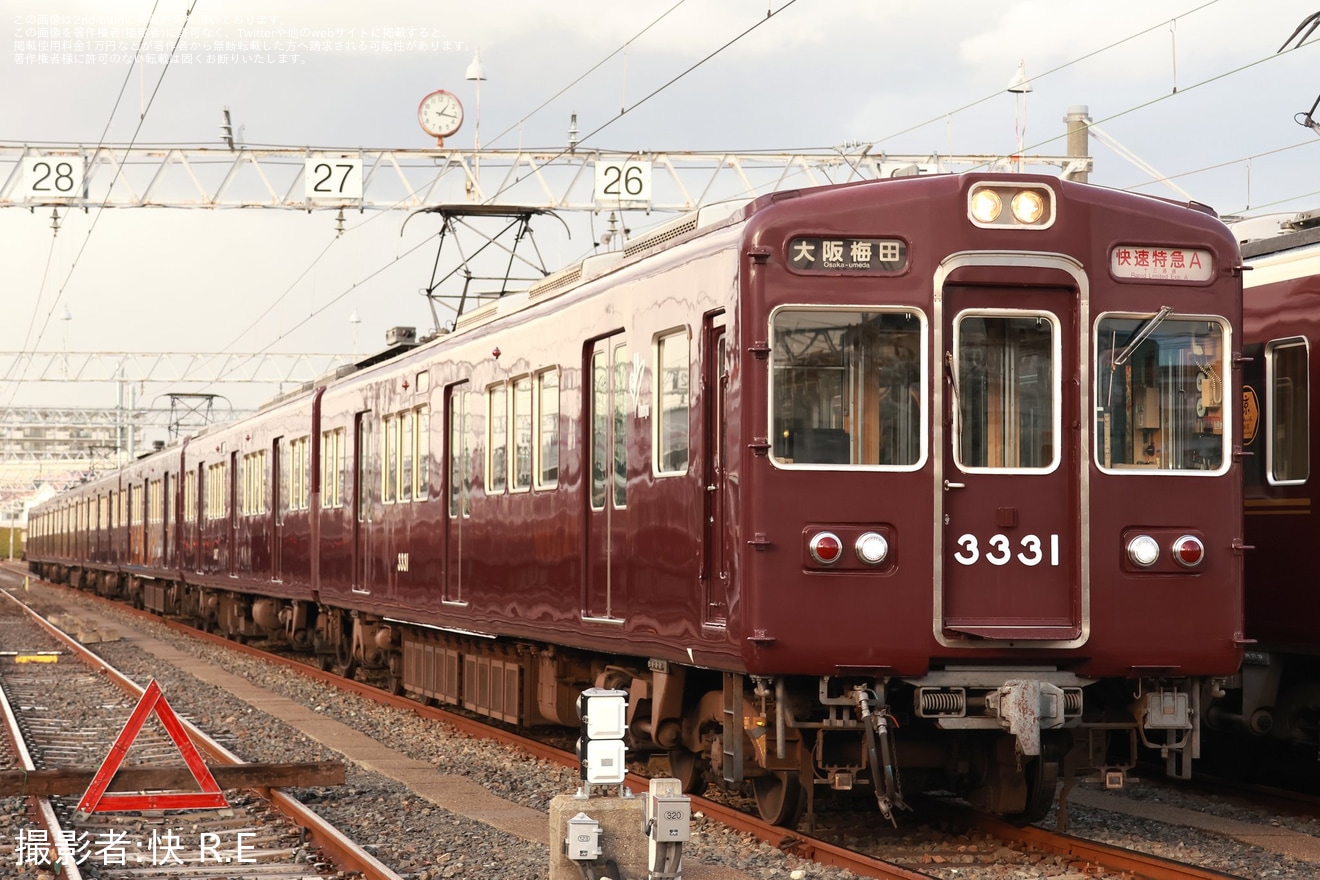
459, 452
300, 467
497, 439
389, 438
189, 498
254, 483
546, 447
422, 476
407, 426
1159, 395
332, 468
619, 411
671, 395
1288, 411
848, 388
217, 485
521, 478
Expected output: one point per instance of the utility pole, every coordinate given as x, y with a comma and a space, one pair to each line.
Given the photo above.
1078, 120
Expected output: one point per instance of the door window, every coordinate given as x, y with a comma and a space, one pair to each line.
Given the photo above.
1006, 391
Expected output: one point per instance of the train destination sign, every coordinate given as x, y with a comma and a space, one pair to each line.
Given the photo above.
847, 254
1149, 263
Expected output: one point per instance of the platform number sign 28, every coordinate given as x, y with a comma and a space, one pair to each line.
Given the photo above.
52, 177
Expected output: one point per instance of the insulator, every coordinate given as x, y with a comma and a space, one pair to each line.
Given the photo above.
943, 702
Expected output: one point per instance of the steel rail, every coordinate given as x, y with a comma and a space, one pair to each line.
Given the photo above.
1109, 857
347, 854
45, 811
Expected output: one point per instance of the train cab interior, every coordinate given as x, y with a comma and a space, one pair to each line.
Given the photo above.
1160, 392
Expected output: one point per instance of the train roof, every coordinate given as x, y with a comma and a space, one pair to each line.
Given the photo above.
1275, 233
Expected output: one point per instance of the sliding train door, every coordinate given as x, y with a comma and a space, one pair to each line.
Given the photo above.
1010, 487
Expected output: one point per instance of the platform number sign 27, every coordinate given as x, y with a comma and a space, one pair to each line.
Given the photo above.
52, 177
333, 178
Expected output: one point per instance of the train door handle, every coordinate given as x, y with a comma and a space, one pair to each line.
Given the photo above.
948, 485
711, 488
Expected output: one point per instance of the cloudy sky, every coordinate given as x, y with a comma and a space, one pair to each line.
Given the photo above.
1190, 90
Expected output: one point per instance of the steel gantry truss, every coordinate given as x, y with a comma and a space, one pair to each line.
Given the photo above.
79, 176
175, 368
53, 433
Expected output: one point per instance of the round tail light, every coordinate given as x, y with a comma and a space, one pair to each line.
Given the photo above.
1143, 550
1189, 551
825, 548
871, 548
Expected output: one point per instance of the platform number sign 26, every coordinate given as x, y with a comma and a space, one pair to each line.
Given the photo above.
333, 178
623, 182
52, 177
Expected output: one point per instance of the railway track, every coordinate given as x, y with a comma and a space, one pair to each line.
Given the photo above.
64, 707
978, 844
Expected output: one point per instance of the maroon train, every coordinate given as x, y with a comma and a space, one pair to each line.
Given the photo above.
1277, 696
894, 483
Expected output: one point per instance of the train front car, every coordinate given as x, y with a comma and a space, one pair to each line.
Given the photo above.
989, 498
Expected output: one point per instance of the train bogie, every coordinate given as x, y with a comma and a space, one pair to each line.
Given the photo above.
851, 486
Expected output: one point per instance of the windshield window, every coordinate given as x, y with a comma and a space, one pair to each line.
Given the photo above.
1159, 397
847, 387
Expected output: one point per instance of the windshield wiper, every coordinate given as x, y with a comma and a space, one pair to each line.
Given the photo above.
1140, 336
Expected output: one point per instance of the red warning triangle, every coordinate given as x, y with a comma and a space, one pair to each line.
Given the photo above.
95, 799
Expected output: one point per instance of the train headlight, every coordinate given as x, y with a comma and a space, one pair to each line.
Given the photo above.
986, 206
871, 548
825, 548
1143, 550
1188, 551
1028, 206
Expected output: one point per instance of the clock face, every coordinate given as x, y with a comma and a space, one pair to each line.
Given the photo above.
440, 114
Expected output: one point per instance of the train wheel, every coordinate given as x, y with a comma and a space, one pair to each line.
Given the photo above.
343, 663
1297, 716
780, 798
689, 769
1042, 784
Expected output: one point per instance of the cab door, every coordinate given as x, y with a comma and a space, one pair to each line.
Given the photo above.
1011, 470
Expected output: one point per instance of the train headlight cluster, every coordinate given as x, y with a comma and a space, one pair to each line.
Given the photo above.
1029, 206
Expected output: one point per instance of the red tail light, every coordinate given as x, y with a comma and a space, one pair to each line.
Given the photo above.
825, 547
1189, 551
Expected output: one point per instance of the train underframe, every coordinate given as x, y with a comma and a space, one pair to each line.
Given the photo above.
1004, 739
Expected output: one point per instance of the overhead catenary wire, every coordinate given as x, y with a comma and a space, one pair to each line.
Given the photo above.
142, 118
771, 13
